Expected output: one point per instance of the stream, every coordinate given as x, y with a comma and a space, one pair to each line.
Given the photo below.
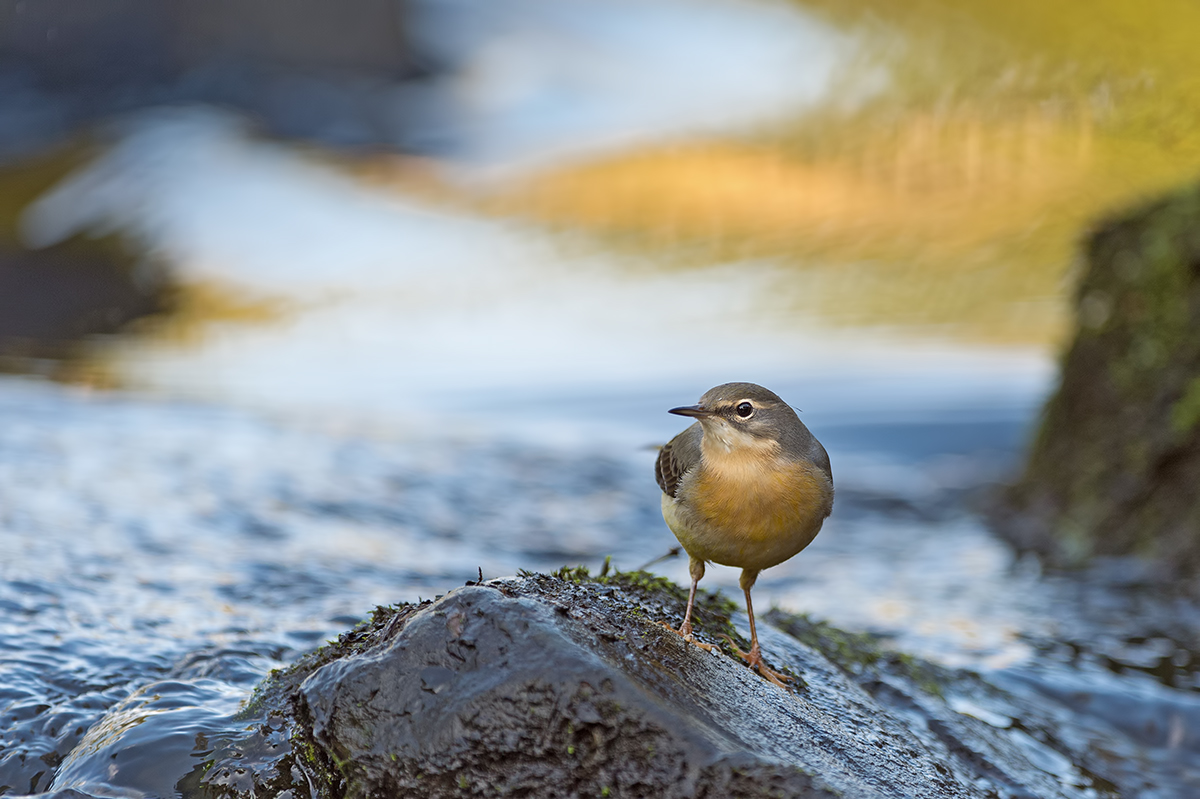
379, 391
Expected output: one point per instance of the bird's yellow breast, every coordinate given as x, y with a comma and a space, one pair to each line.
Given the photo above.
748, 507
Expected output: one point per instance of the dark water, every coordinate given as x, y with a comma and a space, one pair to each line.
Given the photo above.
160, 558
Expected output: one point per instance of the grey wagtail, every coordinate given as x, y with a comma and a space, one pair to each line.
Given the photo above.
747, 485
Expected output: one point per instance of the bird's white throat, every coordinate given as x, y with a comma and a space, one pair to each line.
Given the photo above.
723, 439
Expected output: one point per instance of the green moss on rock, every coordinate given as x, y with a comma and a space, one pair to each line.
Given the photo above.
1116, 462
861, 655
1185, 414
712, 615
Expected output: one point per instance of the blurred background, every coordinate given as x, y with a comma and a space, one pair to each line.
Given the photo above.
399, 203
393, 202
307, 306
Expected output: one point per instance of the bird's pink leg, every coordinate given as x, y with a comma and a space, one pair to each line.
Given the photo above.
696, 567
753, 658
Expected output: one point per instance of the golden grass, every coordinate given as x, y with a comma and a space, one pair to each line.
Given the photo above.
954, 200
948, 188
192, 308
951, 202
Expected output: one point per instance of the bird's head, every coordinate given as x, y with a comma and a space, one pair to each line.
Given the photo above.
737, 415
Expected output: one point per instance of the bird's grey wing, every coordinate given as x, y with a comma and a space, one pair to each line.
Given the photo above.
675, 459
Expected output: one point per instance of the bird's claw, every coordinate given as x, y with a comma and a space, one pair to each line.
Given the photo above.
754, 660
685, 632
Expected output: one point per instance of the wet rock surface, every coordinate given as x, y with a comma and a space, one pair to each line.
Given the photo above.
568, 685
1114, 469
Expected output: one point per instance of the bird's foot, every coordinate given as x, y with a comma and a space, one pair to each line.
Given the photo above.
754, 660
685, 632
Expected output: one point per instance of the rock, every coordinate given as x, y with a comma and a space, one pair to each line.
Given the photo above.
54, 299
1115, 467
547, 686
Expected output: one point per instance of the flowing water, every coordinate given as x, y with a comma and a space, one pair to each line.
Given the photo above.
387, 375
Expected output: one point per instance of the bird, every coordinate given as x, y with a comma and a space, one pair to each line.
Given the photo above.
746, 485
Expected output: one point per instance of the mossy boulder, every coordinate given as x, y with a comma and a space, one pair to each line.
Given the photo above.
1115, 467
570, 685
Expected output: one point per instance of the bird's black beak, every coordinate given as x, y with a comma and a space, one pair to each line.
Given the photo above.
697, 411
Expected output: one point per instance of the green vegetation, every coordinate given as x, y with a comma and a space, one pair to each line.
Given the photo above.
1114, 467
711, 615
859, 654
1185, 414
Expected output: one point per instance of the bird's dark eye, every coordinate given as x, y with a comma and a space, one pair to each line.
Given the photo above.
745, 410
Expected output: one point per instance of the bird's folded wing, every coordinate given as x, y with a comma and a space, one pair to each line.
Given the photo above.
675, 459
